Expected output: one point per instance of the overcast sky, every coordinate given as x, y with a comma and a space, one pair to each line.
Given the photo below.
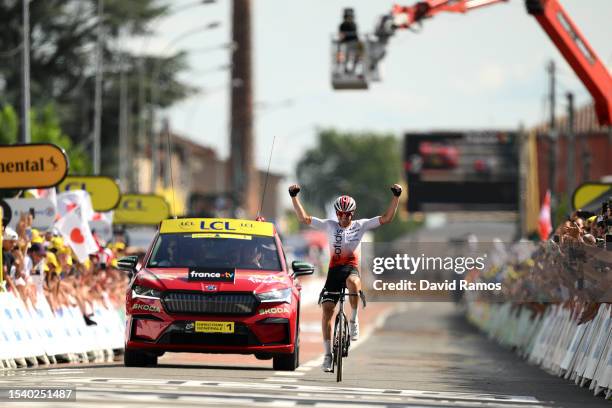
481, 70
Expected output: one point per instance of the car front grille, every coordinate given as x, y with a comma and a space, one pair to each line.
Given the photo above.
210, 303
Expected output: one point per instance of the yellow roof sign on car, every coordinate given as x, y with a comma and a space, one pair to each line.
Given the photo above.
226, 225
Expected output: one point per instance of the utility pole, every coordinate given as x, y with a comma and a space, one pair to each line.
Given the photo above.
97, 128
25, 76
141, 133
125, 157
155, 138
552, 139
571, 145
165, 131
243, 177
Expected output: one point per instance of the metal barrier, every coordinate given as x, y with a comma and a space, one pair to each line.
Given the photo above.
33, 334
555, 339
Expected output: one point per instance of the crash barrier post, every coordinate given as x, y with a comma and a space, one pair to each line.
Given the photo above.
554, 340
35, 334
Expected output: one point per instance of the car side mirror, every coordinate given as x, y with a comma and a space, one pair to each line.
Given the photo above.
302, 268
128, 263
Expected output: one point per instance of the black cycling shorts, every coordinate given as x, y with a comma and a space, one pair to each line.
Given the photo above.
336, 280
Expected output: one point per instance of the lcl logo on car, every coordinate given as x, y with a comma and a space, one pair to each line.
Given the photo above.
216, 226
186, 224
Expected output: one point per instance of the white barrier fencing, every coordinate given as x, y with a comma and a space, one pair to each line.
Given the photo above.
34, 334
554, 340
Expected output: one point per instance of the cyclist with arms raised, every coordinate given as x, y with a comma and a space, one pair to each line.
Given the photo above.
344, 235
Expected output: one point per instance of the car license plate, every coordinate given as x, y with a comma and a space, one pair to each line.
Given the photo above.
214, 327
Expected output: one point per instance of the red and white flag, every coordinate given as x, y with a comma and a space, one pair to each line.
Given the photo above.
76, 233
544, 222
69, 200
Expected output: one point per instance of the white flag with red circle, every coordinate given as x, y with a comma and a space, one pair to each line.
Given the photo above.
76, 233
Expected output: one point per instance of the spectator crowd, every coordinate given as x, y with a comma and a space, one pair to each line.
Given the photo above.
39, 263
573, 267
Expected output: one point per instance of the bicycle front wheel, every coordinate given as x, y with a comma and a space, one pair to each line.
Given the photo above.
339, 343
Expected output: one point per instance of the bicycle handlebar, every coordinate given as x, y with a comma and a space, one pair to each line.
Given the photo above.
360, 294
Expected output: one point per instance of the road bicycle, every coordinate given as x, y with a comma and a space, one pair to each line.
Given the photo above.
342, 338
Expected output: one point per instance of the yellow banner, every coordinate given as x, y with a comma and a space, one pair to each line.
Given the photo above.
591, 195
227, 225
141, 209
41, 165
104, 192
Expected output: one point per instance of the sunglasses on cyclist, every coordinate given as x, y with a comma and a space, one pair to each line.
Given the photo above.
342, 213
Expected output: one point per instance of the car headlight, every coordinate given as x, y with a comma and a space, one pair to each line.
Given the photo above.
277, 295
145, 293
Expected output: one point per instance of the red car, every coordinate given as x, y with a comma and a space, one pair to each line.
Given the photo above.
214, 286
438, 155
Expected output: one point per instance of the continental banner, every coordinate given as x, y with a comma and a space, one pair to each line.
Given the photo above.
141, 209
37, 165
104, 191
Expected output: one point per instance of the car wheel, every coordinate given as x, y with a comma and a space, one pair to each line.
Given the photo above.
288, 362
137, 358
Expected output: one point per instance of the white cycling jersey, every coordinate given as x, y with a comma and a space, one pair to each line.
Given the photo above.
344, 248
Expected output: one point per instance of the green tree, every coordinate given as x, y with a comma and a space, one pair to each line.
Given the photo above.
9, 125
362, 165
63, 38
45, 128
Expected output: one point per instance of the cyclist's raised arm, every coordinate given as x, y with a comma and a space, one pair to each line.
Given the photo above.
388, 216
301, 213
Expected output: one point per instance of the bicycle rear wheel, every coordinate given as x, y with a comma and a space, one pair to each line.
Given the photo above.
339, 344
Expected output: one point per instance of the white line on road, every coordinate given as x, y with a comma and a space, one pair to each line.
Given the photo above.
289, 373
278, 379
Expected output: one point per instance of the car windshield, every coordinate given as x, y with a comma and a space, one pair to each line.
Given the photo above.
211, 250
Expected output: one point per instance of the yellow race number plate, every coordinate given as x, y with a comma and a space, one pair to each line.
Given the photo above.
214, 327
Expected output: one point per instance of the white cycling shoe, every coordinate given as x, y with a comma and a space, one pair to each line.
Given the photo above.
354, 329
327, 363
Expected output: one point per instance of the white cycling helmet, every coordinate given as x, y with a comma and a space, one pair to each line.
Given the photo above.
345, 204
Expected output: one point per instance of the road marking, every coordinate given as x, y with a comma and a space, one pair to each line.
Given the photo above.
267, 393
315, 362
60, 371
96, 381
289, 373
279, 379
310, 327
378, 323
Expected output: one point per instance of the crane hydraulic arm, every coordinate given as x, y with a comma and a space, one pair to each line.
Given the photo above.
556, 23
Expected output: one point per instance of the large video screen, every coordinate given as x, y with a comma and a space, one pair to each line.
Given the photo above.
457, 171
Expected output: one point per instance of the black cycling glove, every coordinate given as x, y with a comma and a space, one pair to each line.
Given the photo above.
293, 191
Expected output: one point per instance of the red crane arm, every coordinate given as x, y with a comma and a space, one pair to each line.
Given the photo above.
406, 16
556, 23
577, 52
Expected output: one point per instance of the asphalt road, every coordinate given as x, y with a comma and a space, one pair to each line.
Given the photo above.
424, 355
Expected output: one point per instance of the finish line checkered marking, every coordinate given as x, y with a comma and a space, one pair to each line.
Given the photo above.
272, 394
